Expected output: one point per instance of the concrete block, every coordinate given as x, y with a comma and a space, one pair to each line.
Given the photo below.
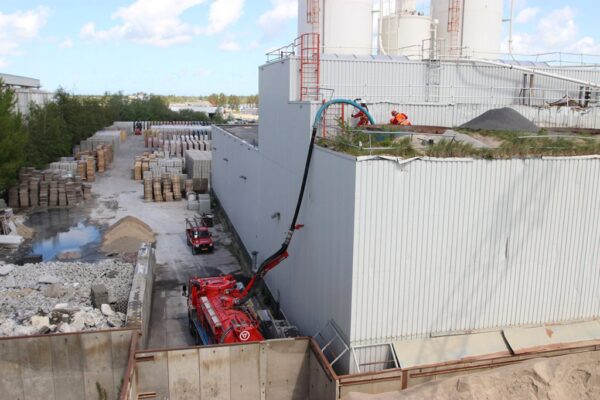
99, 295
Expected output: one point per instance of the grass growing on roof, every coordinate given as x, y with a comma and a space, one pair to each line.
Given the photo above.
506, 145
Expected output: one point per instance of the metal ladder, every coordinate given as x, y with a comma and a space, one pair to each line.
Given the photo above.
310, 66
434, 72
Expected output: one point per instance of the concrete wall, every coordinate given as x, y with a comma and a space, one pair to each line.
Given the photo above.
273, 370
139, 307
64, 366
27, 96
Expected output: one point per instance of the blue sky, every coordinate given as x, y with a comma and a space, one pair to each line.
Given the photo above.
196, 47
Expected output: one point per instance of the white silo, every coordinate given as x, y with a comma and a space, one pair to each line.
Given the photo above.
405, 32
346, 26
469, 28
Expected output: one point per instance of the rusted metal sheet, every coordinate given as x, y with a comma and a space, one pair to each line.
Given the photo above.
553, 337
450, 349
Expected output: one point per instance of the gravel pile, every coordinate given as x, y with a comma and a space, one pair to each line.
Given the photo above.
55, 296
126, 236
502, 119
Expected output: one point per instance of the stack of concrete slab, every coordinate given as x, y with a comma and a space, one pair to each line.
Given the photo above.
150, 166
50, 188
199, 164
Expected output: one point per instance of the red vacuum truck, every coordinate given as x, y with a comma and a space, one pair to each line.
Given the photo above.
223, 310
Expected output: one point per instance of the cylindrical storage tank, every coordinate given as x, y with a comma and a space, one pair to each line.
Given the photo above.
405, 6
480, 28
346, 26
404, 34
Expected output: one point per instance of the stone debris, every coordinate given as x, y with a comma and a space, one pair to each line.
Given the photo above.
38, 321
6, 269
99, 295
106, 310
48, 279
57, 297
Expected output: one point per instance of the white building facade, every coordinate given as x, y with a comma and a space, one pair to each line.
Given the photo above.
403, 249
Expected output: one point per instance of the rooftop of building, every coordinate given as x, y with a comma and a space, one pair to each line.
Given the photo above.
418, 141
20, 81
247, 133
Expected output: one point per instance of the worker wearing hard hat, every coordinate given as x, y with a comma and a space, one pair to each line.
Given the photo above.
399, 119
363, 120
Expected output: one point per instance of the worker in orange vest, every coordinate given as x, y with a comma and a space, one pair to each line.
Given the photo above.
400, 119
363, 120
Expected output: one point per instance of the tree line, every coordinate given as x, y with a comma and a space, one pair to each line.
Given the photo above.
218, 100
51, 130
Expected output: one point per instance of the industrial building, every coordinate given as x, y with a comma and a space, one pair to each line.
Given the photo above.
401, 249
27, 91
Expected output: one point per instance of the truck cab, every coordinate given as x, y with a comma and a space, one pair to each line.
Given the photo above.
199, 237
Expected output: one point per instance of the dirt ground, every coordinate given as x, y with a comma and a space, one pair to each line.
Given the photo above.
575, 376
117, 195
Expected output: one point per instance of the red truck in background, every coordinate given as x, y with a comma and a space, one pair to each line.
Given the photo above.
198, 236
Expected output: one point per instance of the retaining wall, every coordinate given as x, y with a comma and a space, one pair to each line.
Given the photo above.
277, 370
73, 366
140, 298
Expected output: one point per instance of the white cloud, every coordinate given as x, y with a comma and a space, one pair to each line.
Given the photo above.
556, 30
66, 44
527, 15
585, 45
230, 45
159, 22
273, 21
17, 28
281, 11
223, 13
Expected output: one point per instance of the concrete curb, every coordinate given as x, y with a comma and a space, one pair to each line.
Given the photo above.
140, 298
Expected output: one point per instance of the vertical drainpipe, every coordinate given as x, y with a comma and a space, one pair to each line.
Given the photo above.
254, 260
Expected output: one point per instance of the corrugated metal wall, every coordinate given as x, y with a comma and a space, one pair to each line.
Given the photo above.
453, 245
462, 83
465, 91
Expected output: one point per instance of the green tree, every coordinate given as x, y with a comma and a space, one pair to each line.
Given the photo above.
48, 136
213, 99
222, 100
12, 139
234, 102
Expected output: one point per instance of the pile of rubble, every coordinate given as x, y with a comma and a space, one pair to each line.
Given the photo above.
63, 297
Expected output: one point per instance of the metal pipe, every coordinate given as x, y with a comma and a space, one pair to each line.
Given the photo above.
510, 28
531, 71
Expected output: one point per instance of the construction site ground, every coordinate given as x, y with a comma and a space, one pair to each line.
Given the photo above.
117, 195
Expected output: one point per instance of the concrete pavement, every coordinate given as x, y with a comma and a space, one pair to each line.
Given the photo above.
117, 195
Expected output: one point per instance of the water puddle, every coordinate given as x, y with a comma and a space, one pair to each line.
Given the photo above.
61, 231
